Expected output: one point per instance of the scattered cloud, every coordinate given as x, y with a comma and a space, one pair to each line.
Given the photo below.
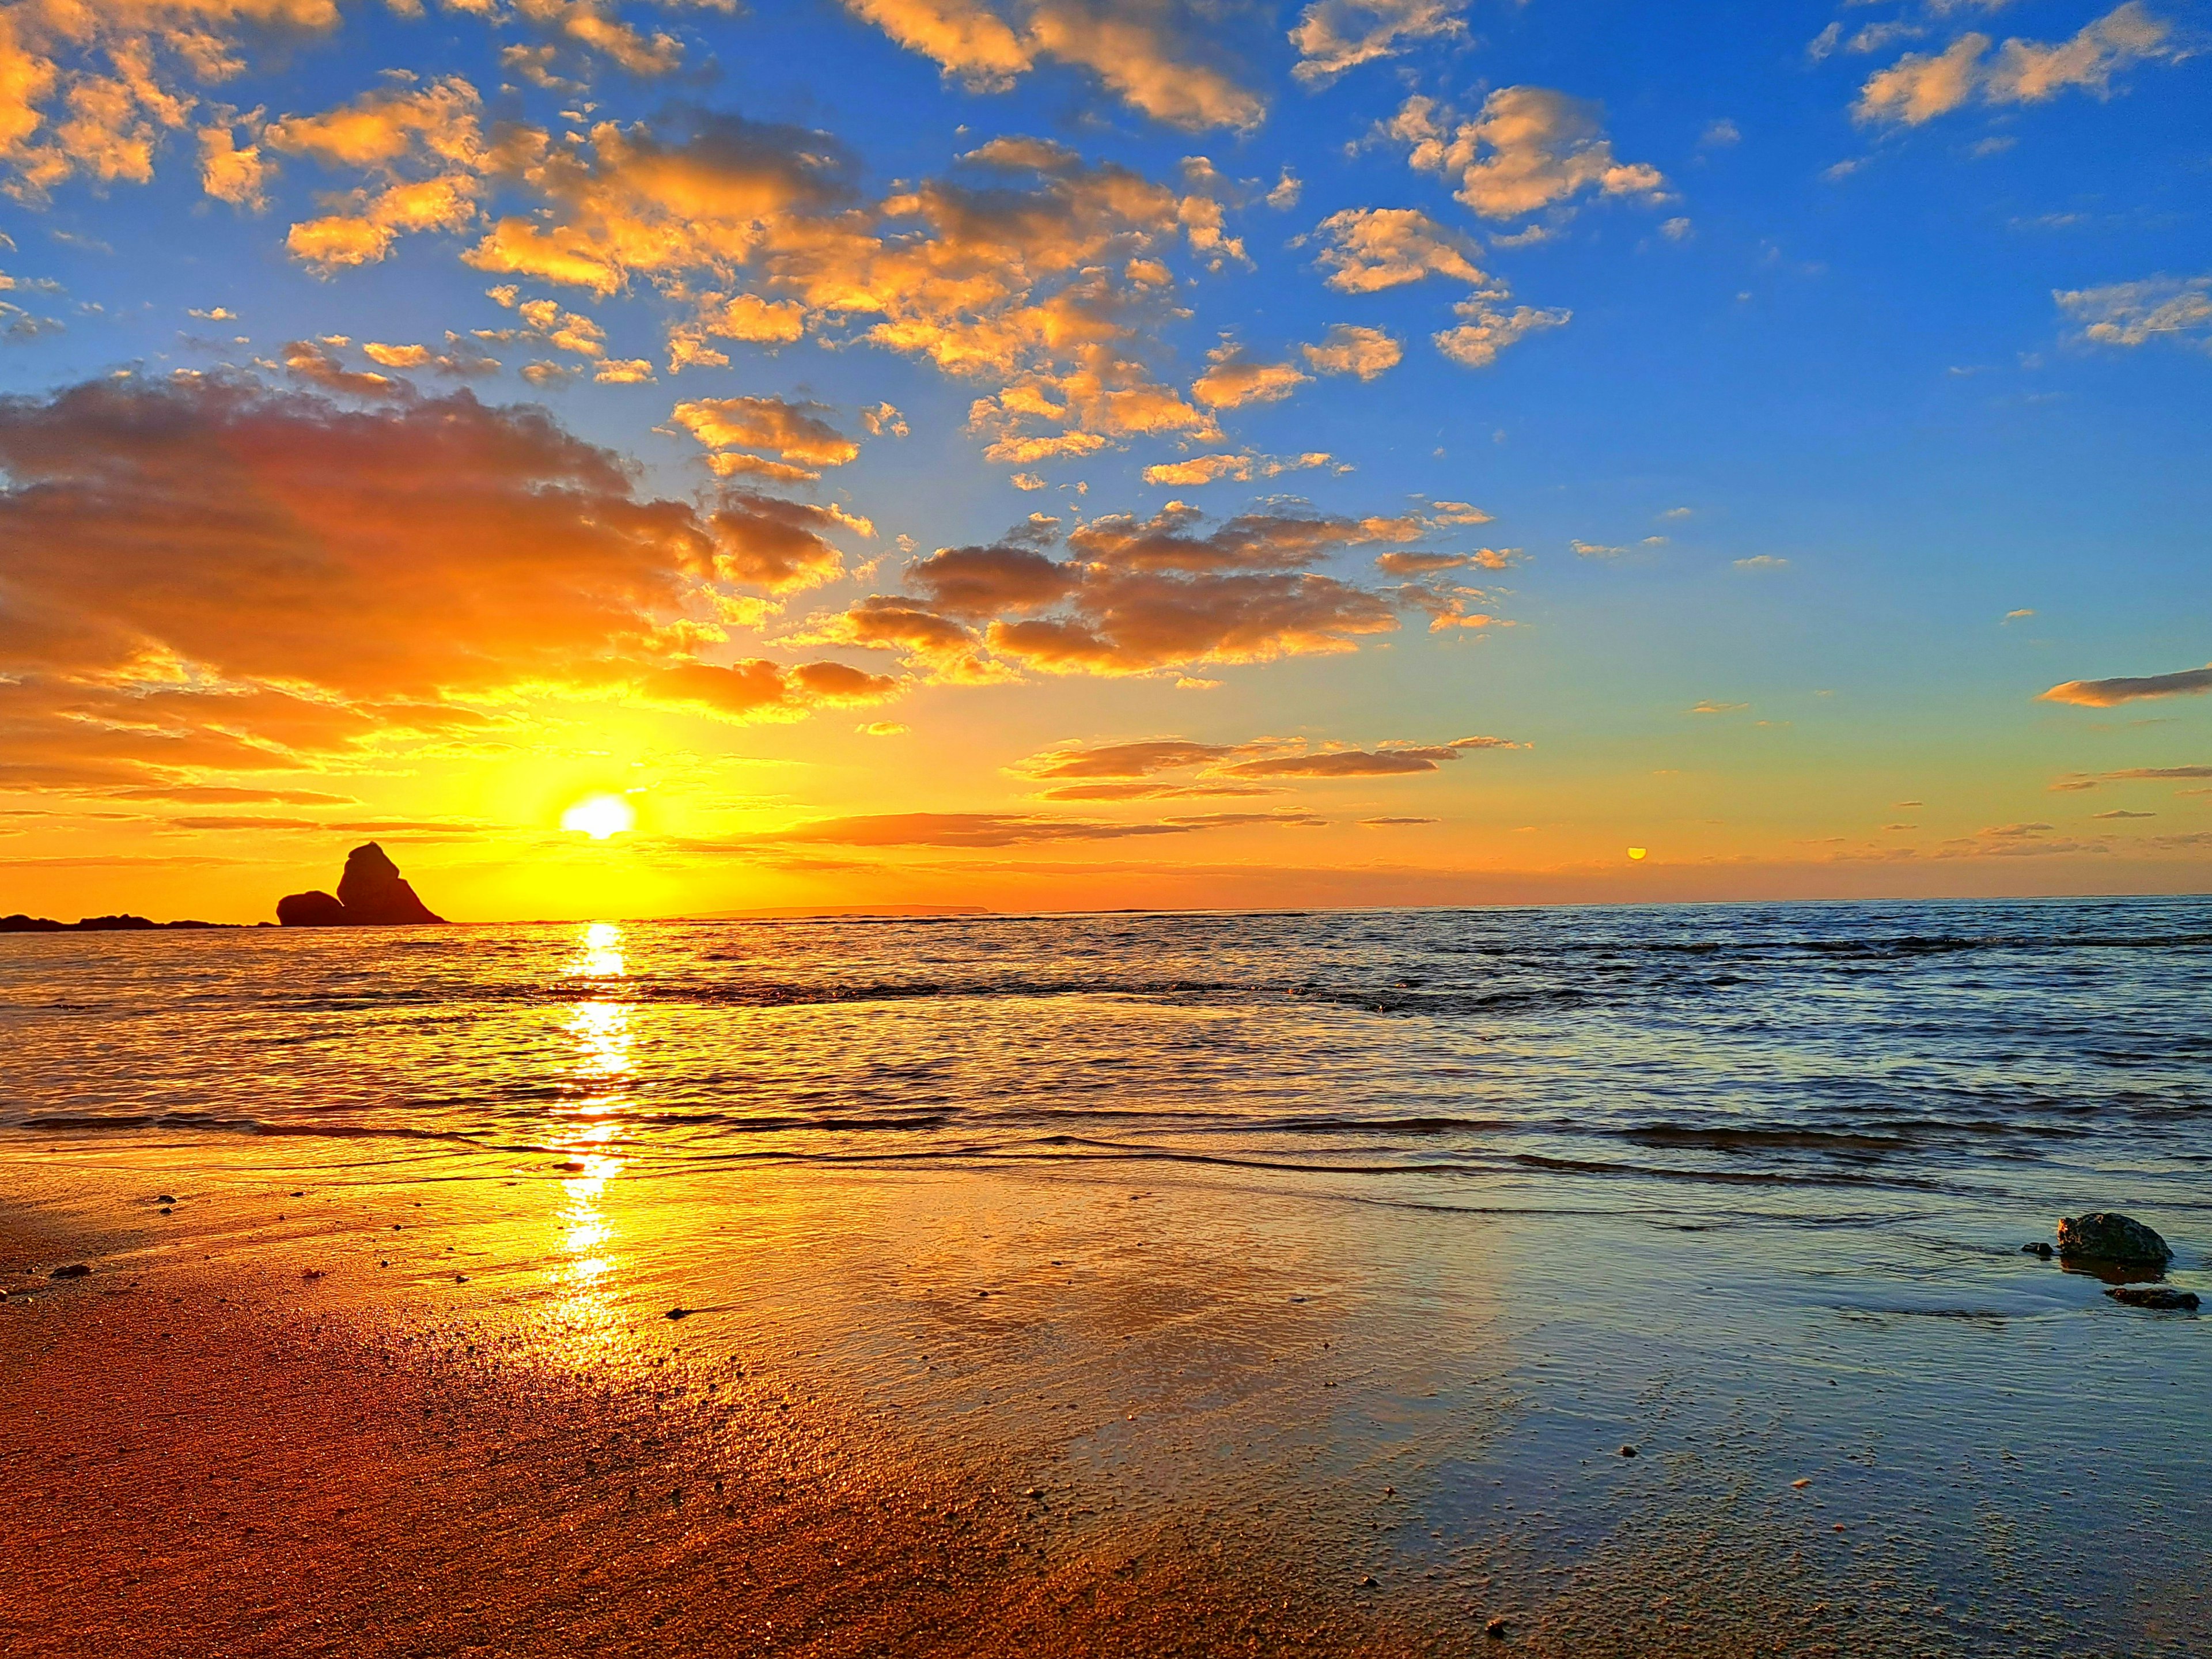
1233, 379
1122, 771
2178, 308
1146, 52
1202, 470
799, 442
1762, 562
1333, 36
1370, 249
1350, 349
1921, 87
1527, 148
1709, 706
2106, 694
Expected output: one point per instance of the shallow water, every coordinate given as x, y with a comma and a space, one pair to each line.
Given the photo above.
1388, 1228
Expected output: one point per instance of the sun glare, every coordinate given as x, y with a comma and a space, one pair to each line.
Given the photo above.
599, 816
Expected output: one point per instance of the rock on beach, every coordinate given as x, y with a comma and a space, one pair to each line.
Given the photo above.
2108, 1236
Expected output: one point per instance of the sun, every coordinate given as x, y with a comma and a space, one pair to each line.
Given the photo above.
599, 816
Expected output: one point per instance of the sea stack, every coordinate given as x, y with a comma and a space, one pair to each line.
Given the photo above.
370, 895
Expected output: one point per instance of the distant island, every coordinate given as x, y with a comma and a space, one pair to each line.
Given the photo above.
20, 923
370, 895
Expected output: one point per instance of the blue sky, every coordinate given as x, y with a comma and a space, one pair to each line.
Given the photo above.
1828, 386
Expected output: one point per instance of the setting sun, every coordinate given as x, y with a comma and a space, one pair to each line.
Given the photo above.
599, 816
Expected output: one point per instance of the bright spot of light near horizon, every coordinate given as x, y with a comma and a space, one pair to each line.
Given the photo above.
599, 816
1635, 851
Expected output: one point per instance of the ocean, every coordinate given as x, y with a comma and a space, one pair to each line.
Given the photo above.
1742, 1188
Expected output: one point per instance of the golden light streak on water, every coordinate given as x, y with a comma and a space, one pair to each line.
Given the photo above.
599, 1034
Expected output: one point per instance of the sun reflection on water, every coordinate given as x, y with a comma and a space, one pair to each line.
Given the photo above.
589, 1129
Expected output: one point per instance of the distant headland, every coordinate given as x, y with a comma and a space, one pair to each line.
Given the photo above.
370, 895
20, 923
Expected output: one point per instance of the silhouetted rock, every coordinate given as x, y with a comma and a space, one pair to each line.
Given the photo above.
2163, 1297
370, 895
373, 894
20, 923
317, 909
2107, 1236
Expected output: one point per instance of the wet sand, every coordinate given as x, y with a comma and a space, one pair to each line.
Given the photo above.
948, 1413
206, 1462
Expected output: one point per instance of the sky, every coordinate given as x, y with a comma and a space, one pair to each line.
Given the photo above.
1044, 454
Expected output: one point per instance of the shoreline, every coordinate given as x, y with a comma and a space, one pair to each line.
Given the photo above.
1198, 1435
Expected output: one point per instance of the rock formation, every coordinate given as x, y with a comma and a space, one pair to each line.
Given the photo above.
370, 895
2108, 1236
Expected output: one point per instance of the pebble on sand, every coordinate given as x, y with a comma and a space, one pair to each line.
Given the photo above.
2154, 1296
75, 1270
1496, 1628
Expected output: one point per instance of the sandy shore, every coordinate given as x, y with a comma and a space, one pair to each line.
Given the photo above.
436, 1405
207, 1463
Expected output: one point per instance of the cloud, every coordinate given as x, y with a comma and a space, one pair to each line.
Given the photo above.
2135, 313
422, 148
764, 541
1144, 51
1762, 562
1235, 378
2136, 775
1395, 824
1264, 759
1333, 36
2119, 814
1202, 470
1137, 595
1527, 149
1351, 349
794, 434
1430, 564
1370, 249
94, 90
2106, 694
1489, 328
1921, 87
1710, 706
208, 574
971, 830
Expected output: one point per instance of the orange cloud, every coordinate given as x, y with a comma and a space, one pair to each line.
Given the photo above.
2106, 694
206, 574
794, 434
1142, 596
93, 89
1371, 249
1527, 149
1350, 349
1143, 50
1920, 87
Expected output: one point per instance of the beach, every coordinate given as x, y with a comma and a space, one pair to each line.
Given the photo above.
1310, 1386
